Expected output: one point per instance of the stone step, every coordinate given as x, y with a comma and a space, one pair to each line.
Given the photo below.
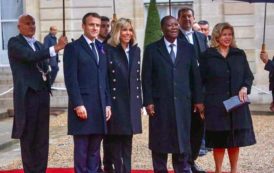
7, 81
6, 103
5, 70
59, 101
4, 90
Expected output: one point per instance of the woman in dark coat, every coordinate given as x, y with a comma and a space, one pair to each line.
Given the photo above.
226, 73
124, 79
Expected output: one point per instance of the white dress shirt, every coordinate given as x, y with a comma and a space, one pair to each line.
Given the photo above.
169, 48
188, 35
127, 53
31, 42
89, 42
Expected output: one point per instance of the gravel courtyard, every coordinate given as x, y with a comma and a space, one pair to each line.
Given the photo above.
258, 158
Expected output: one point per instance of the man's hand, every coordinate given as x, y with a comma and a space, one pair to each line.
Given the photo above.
108, 113
201, 108
81, 112
264, 57
150, 110
243, 94
62, 42
272, 106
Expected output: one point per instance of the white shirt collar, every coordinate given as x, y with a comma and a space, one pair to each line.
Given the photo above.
127, 49
186, 32
30, 40
168, 43
88, 40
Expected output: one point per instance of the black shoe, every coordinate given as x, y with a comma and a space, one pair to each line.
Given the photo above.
109, 170
196, 169
100, 170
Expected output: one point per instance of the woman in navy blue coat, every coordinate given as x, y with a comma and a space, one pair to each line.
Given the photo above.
225, 73
123, 56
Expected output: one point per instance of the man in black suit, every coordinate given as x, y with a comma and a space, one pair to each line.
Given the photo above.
85, 72
104, 35
51, 40
29, 64
170, 77
199, 41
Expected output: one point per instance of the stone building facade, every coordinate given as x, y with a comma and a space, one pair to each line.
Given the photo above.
246, 18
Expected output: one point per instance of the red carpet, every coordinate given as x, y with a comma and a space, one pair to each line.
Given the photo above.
70, 170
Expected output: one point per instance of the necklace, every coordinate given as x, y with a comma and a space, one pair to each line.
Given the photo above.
44, 74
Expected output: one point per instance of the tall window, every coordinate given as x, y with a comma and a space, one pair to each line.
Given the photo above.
10, 10
163, 7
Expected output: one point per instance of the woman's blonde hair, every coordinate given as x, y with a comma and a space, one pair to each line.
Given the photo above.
115, 35
217, 32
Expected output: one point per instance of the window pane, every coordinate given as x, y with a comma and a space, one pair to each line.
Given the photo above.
9, 29
11, 9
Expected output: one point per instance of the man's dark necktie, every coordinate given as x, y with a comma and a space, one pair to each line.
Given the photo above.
94, 51
172, 53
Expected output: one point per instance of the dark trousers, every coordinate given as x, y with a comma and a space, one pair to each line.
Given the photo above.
107, 159
196, 135
53, 73
35, 138
86, 151
121, 146
179, 162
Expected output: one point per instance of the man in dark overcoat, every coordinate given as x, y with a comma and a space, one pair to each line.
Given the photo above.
199, 41
170, 79
85, 72
269, 66
51, 40
28, 60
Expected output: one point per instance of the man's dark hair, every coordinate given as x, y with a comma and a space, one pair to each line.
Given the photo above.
203, 22
184, 9
165, 19
105, 19
96, 15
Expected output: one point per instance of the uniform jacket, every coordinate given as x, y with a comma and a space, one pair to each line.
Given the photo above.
170, 87
223, 78
125, 89
49, 41
87, 84
23, 60
269, 66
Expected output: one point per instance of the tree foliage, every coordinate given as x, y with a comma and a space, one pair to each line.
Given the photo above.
153, 27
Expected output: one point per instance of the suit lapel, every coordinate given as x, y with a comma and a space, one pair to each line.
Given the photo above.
163, 51
200, 41
86, 47
182, 36
179, 54
24, 41
132, 57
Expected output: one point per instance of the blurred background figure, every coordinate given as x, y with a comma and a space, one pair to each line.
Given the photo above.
225, 73
269, 66
51, 40
123, 56
104, 33
204, 25
196, 27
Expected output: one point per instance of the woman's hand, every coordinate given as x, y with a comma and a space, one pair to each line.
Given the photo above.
243, 94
